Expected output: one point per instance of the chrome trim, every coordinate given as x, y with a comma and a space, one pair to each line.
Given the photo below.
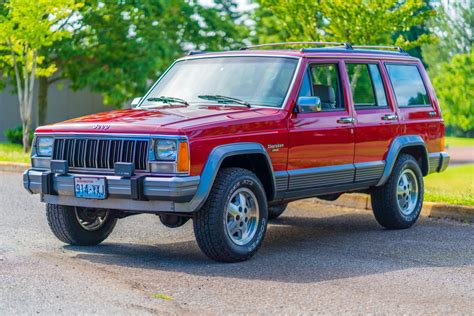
438, 161
285, 100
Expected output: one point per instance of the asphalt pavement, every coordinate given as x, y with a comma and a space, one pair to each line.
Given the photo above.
315, 259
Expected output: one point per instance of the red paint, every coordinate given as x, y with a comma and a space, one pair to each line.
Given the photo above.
309, 140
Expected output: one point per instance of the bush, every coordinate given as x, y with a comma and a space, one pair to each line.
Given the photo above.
15, 135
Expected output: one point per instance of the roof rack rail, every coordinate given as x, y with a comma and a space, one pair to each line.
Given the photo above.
382, 47
341, 44
196, 52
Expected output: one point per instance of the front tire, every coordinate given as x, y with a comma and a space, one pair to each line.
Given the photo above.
231, 225
397, 204
80, 226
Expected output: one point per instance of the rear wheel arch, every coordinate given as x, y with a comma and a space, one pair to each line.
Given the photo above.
407, 144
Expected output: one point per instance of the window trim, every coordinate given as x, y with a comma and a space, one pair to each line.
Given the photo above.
429, 105
307, 72
373, 107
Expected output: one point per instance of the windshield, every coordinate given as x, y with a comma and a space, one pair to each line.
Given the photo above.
231, 80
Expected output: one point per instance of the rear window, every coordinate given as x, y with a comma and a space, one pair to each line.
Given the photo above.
408, 85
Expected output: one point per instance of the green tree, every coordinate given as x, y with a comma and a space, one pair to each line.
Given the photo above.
119, 48
450, 66
356, 21
454, 33
454, 85
27, 27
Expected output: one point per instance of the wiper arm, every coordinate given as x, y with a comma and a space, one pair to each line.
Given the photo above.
224, 99
168, 100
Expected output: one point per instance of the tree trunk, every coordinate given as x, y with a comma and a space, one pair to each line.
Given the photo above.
26, 125
42, 100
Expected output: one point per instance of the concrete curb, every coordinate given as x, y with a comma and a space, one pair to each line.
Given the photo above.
430, 209
13, 166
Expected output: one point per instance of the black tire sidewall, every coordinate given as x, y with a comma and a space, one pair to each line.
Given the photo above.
255, 186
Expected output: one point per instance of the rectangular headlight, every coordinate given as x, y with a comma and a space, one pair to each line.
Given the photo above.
44, 146
166, 150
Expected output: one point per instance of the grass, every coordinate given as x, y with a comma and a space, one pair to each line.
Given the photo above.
453, 186
13, 153
459, 142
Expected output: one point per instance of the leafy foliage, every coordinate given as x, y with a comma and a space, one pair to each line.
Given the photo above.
26, 28
454, 84
119, 48
356, 21
450, 66
15, 135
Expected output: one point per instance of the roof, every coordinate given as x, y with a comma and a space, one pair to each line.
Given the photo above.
330, 51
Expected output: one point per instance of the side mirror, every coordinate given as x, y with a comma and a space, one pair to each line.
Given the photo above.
135, 102
308, 104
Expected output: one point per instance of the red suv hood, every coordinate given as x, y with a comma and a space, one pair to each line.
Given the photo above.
169, 120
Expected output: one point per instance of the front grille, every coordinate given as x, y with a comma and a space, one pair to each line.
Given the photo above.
99, 153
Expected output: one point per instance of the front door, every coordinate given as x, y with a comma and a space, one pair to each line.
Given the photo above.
321, 151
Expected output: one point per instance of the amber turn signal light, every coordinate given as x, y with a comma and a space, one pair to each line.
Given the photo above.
183, 157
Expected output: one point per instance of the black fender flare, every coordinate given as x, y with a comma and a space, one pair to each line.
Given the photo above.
214, 161
396, 147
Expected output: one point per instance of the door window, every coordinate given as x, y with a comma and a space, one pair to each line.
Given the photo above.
322, 80
366, 86
408, 85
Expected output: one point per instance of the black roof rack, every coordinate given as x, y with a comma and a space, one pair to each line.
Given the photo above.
381, 47
333, 44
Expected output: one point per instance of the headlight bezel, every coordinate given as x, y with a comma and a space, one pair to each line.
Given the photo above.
165, 149
178, 163
44, 150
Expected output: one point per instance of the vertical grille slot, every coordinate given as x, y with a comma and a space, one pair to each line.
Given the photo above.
98, 153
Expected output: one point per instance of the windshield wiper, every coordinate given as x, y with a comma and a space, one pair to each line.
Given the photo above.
223, 99
168, 100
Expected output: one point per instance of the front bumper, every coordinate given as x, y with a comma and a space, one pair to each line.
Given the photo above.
141, 194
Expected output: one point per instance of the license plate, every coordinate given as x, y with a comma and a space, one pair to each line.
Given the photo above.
90, 188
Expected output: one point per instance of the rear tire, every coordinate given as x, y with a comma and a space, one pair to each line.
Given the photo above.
80, 226
275, 211
231, 225
397, 204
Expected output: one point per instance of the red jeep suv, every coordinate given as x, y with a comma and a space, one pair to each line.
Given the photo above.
227, 139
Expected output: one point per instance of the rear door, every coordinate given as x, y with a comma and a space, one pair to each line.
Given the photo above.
321, 149
376, 118
417, 111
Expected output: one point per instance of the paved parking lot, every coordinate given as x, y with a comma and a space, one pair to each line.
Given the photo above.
315, 259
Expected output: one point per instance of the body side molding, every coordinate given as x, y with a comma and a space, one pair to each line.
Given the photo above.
209, 173
395, 147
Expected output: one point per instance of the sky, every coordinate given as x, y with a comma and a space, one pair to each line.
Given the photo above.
244, 5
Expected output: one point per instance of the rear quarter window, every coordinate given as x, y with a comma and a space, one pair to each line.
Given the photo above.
408, 85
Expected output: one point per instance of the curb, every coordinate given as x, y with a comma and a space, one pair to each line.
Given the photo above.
430, 209
13, 166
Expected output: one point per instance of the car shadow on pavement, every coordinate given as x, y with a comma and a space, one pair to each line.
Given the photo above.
307, 249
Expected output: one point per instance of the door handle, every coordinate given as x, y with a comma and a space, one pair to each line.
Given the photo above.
346, 120
432, 113
390, 117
